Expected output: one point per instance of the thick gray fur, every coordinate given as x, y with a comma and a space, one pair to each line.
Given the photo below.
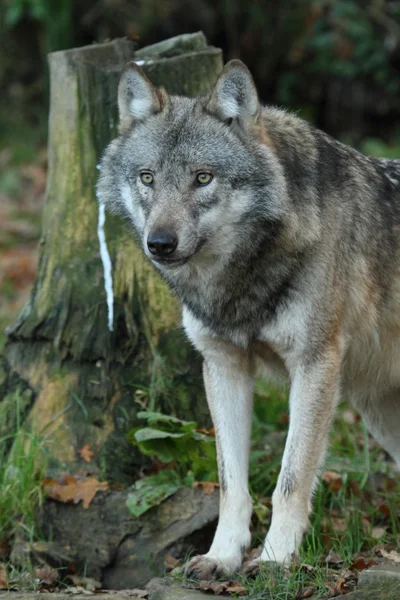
289, 259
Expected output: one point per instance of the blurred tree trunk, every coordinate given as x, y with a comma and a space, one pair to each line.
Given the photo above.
71, 377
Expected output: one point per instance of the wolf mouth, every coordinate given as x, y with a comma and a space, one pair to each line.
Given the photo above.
169, 263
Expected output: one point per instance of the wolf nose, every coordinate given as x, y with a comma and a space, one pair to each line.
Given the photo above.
162, 243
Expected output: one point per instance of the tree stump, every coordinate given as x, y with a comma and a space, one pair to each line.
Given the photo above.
74, 379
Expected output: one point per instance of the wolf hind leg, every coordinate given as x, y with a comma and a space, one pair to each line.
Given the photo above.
380, 411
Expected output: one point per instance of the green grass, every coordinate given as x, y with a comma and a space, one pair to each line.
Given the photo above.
22, 466
344, 520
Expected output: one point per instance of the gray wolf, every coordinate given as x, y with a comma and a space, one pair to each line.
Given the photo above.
283, 246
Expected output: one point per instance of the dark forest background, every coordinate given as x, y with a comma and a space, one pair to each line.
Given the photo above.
335, 61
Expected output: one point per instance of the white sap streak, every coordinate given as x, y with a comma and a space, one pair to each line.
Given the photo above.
107, 267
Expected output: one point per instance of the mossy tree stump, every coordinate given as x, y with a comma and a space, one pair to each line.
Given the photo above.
76, 380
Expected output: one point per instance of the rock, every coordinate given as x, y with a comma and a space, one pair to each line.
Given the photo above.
386, 571
166, 589
380, 582
108, 543
36, 552
386, 592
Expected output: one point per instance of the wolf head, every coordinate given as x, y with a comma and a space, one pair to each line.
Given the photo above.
193, 176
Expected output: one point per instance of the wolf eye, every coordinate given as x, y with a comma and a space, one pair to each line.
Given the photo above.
146, 178
204, 178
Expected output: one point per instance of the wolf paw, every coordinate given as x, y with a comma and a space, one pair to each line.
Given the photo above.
205, 568
252, 568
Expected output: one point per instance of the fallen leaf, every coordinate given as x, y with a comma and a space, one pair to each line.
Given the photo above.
206, 431
217, 587
361, 563
73, 489
237, 589
392, 555
222, 587
339, 525
86, 453
333, 479
208, 486
339, 587
334, 559
305, 592
170, 562
87, 583
378, 532
348, 575
384, 509
75, 590
3, 579
46, 574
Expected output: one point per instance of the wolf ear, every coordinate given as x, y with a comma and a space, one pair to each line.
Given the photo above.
235, 94
138, 99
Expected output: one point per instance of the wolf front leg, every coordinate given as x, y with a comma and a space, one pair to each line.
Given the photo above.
228, 378
313, 398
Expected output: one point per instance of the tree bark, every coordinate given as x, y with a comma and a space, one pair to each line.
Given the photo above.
74, 379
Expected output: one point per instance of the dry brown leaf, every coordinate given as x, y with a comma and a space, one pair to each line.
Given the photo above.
75, 490
378, 532
3, 579
87, 583
305, 592
75, 590
334, 559
392, 555
339, 525
170, 562
384, 509
208, 486
333, 479
339, 587
46, 574
217, 587
86, 453
361, 563
222, 587
237, 589
206, 431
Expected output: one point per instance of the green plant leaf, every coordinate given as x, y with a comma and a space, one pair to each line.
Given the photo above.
149, 433
156, 417
152, 490
173, 440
